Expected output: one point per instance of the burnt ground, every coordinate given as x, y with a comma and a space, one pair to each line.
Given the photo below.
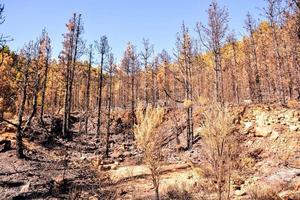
56, 168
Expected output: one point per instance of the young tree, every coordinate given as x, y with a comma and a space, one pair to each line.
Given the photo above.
103, 49
149, 140
221, 148
213, 38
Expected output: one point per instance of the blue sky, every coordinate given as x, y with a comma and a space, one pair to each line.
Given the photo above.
120, 20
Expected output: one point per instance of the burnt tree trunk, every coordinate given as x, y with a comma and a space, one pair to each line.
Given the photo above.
87, 97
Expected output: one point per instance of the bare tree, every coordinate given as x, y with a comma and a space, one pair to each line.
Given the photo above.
44, 57
184, 57
88, 85
19, 135
110, 70
146, 54
130, 65
273, 12
103, 49
165, 62
250, 26
234, 69
213, 37
71, 52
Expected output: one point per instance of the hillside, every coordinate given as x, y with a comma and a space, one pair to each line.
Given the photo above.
269, 161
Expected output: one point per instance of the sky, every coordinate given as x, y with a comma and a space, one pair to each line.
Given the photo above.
121, 20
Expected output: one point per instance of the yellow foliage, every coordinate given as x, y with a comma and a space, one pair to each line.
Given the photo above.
203, 101
146, 124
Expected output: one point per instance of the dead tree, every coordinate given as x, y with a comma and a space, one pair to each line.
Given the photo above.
130, 66
44, 57
69, 56
36, 83
249, 69
165, 61
24, 65
154, 89
24, 85
184, 57
103, 49
111, 69
250, 26
146, 54
213, 38
272, 13
87, 95
234, 69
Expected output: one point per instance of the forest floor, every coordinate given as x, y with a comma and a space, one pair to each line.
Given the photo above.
59, 169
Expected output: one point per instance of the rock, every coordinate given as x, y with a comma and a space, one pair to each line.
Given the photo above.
261, 119
104, 167
59, 180
240, 192
248, 125
263, 131
274, 135
280, 179
94, 197
116, 154
25, 188
114, 167
83, 158
294, 128
288, 195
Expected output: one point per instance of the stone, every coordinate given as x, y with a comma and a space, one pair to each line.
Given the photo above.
25, 188
114, 167
289, 194
263, 131
294, 128
105, 167
240, 192
274, 135
247, 127
83, 158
